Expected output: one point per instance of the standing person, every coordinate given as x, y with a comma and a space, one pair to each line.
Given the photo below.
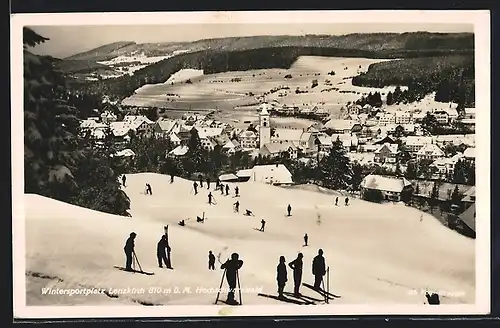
346, 201
161, 253
227, 190
148, 189
318, 269
236, 191
281, 276
217, 183
208, 183
124, 180
336, 201
168, 262
232, 266
222, 189
129, 250
195, 187
211, 261
263, 224
210, 198
200, 177
296, 265
289, 209
306, 238
237, 207
171, 178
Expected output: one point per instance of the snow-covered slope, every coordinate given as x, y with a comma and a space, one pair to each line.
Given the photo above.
377, 254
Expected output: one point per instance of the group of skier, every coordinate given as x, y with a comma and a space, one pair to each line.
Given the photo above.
162, 251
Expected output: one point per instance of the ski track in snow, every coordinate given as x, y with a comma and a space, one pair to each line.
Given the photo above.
377, 253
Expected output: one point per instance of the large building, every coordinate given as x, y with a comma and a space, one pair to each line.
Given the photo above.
388, 188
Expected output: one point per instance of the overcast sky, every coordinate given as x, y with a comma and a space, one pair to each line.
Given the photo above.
69, 40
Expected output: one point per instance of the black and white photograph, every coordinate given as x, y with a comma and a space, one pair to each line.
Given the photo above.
250, 163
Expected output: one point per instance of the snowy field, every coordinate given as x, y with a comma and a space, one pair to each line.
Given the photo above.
230, 90
377, 253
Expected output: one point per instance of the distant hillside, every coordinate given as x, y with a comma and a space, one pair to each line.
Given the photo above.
369, 42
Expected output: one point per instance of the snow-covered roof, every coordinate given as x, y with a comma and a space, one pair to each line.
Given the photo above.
276, 147
384, 183
393, 148
179, 150
340, 124
347, 139
431, 150
274, 173
469, 217
244, 173
228, 177
470, 152
287, 134
248, 134
174, 138
125, 153
418, 141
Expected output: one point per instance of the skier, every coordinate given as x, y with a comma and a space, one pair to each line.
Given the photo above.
237, 207
148, 189
237, 191
281, 276
296, 265
232, 266
211, 261
171, 178
200, 177
263, 224
208, 183
432, 299
318, 269
198, 219
181, 223
227, 190
248, 212
346, 201
289, 209
195, 187
129, 250
222, 189
124, 180
336, 201
161, 253
168, 263
306, 238
210, 198
217, 183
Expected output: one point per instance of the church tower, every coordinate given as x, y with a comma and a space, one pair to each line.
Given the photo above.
264, 126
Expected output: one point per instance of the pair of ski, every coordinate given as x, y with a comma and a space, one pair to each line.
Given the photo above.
292, 298
322, 292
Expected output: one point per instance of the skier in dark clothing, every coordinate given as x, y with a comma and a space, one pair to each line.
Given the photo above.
200, 177
336, 201
236, 191
182, 223
129, 250
227, 190
161, 251
148, 189
249, 213
195, 188
346, 201
263, 224
222, 189
210, 198
217, 183
318, 269
232, 266
281, 276
289, 209
211, 261
171, 178
306, 238
296, 265
208, 183
237, 207
124, 180
432, 299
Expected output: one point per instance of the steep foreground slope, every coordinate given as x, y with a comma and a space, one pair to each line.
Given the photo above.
376, 253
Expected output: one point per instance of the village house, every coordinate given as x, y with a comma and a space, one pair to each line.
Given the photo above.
382, 139
419, 116
349, 141
175, 140
415, 143
470, 154
248, 139
403, 117
342, 126
164, 127
469, 113
443, 117
274, 150
231, 147
386, 153
386, 118
306, 142
287, 135
276, 174
430, 151
446, 166
456, 140
323, 142
107, 117
388, 188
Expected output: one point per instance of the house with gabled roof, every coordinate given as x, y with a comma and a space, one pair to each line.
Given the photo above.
430, 151
277, 149
388, 188
386, 153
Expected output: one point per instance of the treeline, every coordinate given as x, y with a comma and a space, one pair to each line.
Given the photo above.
222, 61
451, 77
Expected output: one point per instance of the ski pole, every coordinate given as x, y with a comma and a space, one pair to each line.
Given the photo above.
138, 263
220, 287
239, 286
326, 295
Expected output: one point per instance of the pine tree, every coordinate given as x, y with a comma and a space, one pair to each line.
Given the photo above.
434, 199
50, 127
411, 170
195, 160
336, 170
389, 100
456, 197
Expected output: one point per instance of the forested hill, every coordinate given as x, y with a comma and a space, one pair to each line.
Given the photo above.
369, 42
